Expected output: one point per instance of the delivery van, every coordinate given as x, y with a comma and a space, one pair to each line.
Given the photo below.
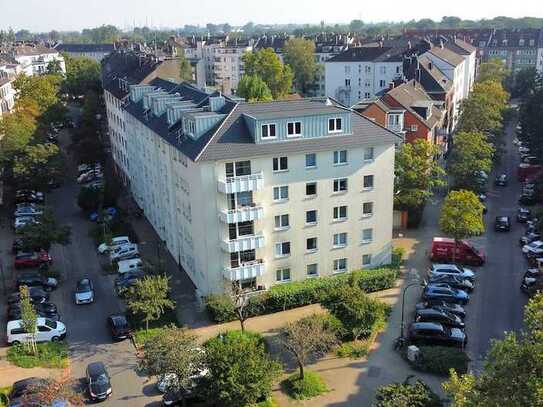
47, 331
443, 249
130, 265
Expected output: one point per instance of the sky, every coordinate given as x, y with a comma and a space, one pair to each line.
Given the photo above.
62, 15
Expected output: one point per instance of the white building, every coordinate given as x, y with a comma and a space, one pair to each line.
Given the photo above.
469, 53
34, 59
92, 51
362, 72
7, 94
261, 193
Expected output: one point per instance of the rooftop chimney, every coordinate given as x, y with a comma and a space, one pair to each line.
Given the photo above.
429, 65
391, 85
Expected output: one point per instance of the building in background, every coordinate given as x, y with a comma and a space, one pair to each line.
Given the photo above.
92, 51
33, 58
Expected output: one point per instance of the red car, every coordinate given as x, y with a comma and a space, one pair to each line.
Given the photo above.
34, 259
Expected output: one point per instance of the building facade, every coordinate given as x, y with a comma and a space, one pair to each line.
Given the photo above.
34, 59
96, 52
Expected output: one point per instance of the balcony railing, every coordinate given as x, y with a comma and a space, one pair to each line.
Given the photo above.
242, 183
242, 214
242, 243
245, 271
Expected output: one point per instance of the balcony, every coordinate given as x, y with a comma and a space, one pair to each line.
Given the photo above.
242, 183
242, 243
245, 271
242, 214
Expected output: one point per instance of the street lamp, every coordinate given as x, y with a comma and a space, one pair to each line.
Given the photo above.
402, 326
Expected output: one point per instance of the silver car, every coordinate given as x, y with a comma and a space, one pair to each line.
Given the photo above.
84, 292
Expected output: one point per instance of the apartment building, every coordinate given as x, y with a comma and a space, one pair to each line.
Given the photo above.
92, 51
7, 94
33, 58
517, 48
260, 193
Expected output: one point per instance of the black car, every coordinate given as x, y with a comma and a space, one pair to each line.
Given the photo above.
432, 333
119, 327
443, 317
34, 279
529, 238
37, 295
26, 386
523, 215
28, 196
98, 382
527, 199
502, 224
44, 310
455, 309
501, 180
453, 281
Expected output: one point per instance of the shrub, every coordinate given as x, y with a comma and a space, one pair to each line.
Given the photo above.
48, 355
4, 392
398, 254
354, 349
269, 402
310, 386
407, 395
220, 308
440, 359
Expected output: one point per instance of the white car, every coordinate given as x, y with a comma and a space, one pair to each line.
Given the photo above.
522, 149
451, 269
28, 211
126, 251
24, 220
48, 331
533, 248
84, 292
130, 265
115, 242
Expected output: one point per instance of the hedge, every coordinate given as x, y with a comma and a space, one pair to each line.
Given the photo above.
440, 359
286, 296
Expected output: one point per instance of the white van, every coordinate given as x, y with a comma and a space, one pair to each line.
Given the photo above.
127, 251
115, 242
126, 266
48, 331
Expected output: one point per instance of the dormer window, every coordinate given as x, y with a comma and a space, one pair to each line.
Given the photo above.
334, 125
268, 131
294, 129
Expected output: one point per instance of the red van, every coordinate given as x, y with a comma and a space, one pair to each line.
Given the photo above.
527, 172
466, 253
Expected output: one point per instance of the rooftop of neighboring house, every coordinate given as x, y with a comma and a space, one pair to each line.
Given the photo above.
432, 78
276, 42
30, 49
85, 47
516, 38
445, 54
370, 54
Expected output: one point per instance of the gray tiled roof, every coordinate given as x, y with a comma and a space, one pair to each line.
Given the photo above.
447, 55
370, 54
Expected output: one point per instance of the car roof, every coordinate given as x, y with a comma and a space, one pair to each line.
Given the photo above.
118, 318
427, 325
429, 311
502, 218
96, 368
85, 280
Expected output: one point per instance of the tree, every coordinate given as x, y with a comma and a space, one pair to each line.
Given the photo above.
185, 69
82, 75
471, 154
172, 350
524, 81
300, 56
406, 394
309, 336
461, 216
241, 372
18, 128
89, 199
29, 318
356, 26
478, 113
417, 173
41, 89
450, 22
267, 65
149, 296
51, 391
54, 68
253, 89
36, 165
494, 70
240, 300
530, 113
357, 312
41, 235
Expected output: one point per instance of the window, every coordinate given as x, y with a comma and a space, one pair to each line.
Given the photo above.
340, 213
340, 157
347, 69
340, 265
312, 270
367, 235
236, 230
311, 244
311, 217
282, 274
367, 95
239, 168
294, 129
282, 249
367, 209
366, 259
414, 127
347, 83
393, 120
280, 164
383, 70
334, 125
398, 69
367, 68
368, 182
340, 240
280, 193
368, 154
311, 160
367, 83
268, 131
281, 222
340, 185
311, 189
382, 83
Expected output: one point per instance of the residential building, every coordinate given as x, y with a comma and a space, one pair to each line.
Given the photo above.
33, 58
517, 48
92, 51
260, 193
7, 94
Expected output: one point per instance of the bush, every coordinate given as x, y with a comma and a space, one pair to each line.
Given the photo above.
269, 402
49, 355
4, 392
407, 395
220, 308
398, 254
354, 349
310, 386
440, 359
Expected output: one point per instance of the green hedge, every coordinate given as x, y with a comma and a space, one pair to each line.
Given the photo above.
286, 296
440, 359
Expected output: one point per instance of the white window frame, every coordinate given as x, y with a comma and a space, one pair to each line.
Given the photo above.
279, 253
364, 188
311, 166
316, 274
370, 159
368, 214
339, 162
281, 197
364, 239
316, 190
294, 128
336, 263
336, 185
413, 127
279, 160
339, 240
282, 272
279, 222
339, 218
365, 264
335, 127
308, 250
268, 126
316, 217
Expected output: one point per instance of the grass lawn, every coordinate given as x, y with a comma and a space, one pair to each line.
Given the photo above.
4, 391
310, 386
49, 355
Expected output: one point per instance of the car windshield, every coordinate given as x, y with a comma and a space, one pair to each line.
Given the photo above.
50, 324
83, 286
101, 379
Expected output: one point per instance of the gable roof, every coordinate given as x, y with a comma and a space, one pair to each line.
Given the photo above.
370, 54
447, 55
432, 78
85, 47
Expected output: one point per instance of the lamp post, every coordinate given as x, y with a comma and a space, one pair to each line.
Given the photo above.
402, 326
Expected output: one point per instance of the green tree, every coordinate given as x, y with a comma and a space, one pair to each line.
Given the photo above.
417, 173
406, 394
18, 129
172, 350
150, 297
300, 56
267, 65
530, 113
82, 75
89, 199
253, 89
40, 89
241, 372
524, 81
29, 318
36, 165
494, 70
48, 231
356, 26
54, 67
471, 153
461, 215
185, 69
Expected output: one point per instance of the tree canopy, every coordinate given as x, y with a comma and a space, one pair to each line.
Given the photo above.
461, 215
253, 89
185, 69
41, 235
300, 56
82, 75
266, 64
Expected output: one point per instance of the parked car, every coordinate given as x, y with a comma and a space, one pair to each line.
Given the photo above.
119, 327
528, 199
95, 185
84, 291
523, 215
128, 251
431, 333
502, 224
27, 210
455, 309
123, 285
98, 382
47, 331
529, 238
453, 270
447, 250
35, 279
25, 386
45, 310
130, 265
27, 195
533, 249
531, 285
24, 220
131, 275
453, 281
34, 259
115, 242
440, 316
107, 214
501, 180
446, 293
37, 296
